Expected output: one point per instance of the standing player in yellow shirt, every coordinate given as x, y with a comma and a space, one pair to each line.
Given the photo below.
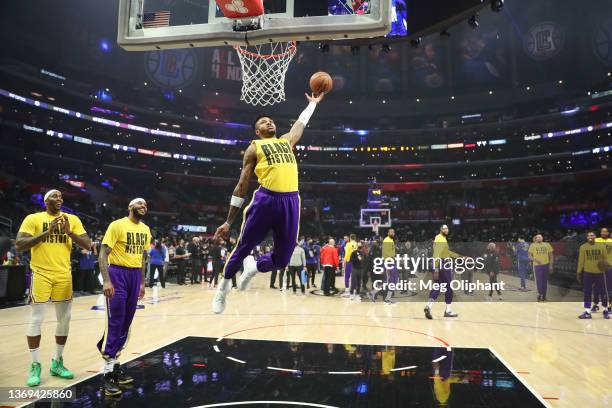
604, 238
541, 254
275, 205
443, 274
590, 257
49, 236
349, 247
122, 264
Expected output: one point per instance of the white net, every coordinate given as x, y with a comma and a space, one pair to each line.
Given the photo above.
263, 71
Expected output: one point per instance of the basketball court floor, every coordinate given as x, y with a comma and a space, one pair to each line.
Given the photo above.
279, 349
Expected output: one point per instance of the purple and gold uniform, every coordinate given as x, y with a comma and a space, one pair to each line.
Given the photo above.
275, 206
607, 243
590, 257
50, 263
540, 253
128, 242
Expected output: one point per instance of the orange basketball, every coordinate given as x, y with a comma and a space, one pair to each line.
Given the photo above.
321, 82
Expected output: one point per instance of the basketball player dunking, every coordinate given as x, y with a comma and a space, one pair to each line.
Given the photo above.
275, 204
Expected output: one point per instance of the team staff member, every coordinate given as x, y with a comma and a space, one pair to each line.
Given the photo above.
541, 254
329, 262
122, 264
590, 257
49, 236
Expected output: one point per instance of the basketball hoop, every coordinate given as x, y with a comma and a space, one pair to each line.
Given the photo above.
264, 68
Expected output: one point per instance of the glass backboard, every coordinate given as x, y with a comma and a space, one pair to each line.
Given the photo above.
164, 24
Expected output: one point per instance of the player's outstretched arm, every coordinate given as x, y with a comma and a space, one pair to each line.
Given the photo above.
295, 134
248, 166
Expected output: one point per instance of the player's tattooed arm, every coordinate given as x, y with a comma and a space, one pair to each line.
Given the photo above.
25, 241
107, 287
142, 275
248, 167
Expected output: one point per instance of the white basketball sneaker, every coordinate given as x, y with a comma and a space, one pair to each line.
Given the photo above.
218, 304
249, 271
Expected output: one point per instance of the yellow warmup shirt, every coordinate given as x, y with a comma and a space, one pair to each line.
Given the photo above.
541, 252
607, 242
276, 168
441, 249
348, 250
52, 254
128, 242
589, 257
388, 248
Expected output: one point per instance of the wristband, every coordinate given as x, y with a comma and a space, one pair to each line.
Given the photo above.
307, 113
237, 201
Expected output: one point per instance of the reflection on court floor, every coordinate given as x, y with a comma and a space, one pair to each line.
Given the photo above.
208, 372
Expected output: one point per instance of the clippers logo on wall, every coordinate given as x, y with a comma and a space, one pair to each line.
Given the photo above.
602, 42
225, 65
544, 40
171, 69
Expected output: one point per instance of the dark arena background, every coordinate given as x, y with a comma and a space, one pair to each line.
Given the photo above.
454, 203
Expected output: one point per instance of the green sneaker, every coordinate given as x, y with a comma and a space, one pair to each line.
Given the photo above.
58, 369
34, 377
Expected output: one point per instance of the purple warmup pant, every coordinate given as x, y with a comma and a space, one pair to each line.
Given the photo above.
523, 265
269, 210
596, 280
541, 277
120, 309
445, 276
347, 274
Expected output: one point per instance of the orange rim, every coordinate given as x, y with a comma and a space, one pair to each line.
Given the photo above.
291, 50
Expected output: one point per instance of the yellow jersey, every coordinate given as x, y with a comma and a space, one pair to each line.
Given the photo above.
608, 246
349, 248
52, 254
541, 252
441, 249
276, 168
388, 247
128, 242
589, 257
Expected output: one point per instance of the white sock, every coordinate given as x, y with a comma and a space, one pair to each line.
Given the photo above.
59, 349
109, 364
587, 310
430, 303
34, 355
448, 308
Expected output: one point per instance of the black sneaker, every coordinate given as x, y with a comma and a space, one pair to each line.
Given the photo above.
109, 385
595, 308
427, 311
539, 298
120, 376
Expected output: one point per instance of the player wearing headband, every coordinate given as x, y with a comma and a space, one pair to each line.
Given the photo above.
49, 236
122, 263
